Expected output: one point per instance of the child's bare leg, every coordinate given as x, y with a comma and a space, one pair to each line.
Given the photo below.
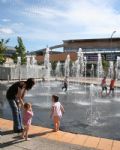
58, 124
26, 134
101, 93
106, 92
55, 123
109, 92
23, 133
112, 93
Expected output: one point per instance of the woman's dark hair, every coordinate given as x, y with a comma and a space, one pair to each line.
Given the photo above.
56, 98
29, 83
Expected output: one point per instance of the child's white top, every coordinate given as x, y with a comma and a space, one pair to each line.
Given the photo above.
57, 109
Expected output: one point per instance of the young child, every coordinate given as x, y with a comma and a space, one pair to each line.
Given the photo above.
65, 85
27, 118
112, 86
56, 112
104, 86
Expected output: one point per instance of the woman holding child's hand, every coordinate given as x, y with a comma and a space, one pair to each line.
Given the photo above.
15, 95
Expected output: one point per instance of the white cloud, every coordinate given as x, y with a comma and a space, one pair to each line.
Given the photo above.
45, 13
17, 25
6, 31
72, 19
92, 17
84, 16
6, 20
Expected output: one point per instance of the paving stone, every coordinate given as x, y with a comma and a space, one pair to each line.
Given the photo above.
79, 139
45, 139
92, 142
105, 144
116, 145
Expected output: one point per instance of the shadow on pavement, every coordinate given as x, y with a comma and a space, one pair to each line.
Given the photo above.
9, 143
6, 132
17, 139
40, 134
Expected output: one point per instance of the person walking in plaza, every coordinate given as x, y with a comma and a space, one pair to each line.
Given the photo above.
56, 112
65, 85
104, 86
15, 95
112, 86
27, 119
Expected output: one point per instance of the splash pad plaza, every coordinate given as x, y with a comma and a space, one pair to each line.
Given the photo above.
86, 111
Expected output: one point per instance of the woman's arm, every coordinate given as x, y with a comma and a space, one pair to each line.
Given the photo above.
20, 96
23, 93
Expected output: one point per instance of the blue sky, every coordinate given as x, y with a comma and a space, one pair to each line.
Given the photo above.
48, 22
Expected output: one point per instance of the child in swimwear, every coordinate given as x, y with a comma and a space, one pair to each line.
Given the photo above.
56, 112
104, 86
112, 86
27, 119
65, 85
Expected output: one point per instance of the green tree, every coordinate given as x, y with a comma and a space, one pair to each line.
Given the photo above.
105, 64
3, 48
20, 51
53, 64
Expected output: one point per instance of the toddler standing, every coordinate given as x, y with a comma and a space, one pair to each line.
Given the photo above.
27, 119
56, 112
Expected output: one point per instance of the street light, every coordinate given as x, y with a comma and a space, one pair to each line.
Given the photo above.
113, 33
111, 42
113, 54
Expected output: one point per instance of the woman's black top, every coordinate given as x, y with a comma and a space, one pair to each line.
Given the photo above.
13, 90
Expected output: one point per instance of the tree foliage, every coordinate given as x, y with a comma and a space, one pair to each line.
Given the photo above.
105, 64
20, 51
3, 49
53, 65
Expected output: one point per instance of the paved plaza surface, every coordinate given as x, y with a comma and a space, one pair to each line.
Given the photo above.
10, 141
44, 139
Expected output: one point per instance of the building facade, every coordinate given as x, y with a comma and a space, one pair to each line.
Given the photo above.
109, 48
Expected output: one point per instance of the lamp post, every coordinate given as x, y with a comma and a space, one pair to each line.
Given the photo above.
114, 70
111, 41
113, 33
85, 69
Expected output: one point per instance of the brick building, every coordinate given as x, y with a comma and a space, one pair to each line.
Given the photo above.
55, 57
109, 48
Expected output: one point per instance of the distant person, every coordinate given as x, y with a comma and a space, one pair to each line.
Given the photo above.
15, 95
112, 86
104, 86
43, 79
56, 112
27, 119
65, 85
